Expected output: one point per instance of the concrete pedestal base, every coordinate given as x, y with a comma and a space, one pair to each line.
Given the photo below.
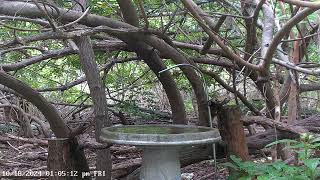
160, 163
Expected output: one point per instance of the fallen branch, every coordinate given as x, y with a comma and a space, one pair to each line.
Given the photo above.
32, 156
13, 164
272, 123
26, 140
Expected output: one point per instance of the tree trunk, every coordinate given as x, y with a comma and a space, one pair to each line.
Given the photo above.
59, 159
232, 132
98, 96
294, 86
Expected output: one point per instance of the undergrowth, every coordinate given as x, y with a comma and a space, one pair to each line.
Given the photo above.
306, 167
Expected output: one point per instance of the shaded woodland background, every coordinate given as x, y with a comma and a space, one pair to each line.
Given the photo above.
70, 68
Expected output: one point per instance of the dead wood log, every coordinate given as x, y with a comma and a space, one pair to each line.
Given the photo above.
280, 130
232, 132
267, 122
21, 139
311, 124
14, 164
260, 140
32, 156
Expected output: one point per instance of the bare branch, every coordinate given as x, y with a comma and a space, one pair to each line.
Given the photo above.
26, 62
280, 34
303, 3
196, 11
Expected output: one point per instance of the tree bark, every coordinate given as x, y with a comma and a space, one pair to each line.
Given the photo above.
293, 100
59, 159
98, 95
129, 12
232, 132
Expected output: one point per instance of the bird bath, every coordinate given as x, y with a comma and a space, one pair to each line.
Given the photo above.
160, 145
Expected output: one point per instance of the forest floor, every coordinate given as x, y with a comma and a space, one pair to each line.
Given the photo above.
18, 157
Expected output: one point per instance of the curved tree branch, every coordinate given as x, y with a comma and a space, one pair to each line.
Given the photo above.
27, 62
280, 34
57, 124
196, 12
303, 3
155, 63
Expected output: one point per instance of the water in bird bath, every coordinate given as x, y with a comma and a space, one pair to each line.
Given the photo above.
156, 129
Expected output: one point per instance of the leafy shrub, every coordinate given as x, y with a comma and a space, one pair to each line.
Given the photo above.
307, 168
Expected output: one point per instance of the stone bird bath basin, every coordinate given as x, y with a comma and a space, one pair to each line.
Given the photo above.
160, 145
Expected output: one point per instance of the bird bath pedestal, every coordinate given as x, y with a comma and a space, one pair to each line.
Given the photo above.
160, 145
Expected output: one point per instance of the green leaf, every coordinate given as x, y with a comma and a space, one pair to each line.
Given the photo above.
228, 164
312, 163
300, 145
278, 165
263, 177
316, 139
236, 159
234, 176
314, 146
245, 178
